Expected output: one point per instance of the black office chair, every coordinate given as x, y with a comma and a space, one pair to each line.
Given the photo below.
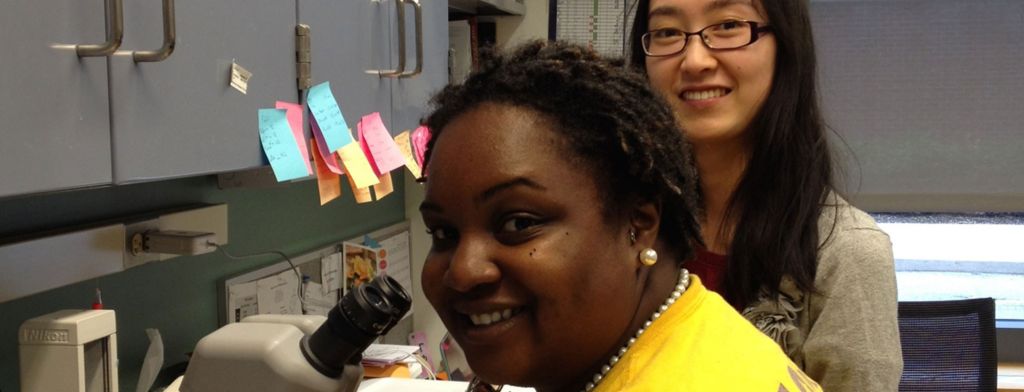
948, 345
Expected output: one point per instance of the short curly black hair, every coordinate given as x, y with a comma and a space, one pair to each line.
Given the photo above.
615, 125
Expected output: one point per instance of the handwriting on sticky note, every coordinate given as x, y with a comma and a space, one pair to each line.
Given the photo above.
279, 145
405, 146
328, 115
294, 114
357, 166
383, 152
328, 183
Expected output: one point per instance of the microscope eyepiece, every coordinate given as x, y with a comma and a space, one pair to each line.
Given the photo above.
363, 314
399, 299
366, 308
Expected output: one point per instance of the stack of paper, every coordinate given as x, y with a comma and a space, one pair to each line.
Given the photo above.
381, 355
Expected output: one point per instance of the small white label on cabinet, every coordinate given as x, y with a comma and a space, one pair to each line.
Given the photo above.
239, 77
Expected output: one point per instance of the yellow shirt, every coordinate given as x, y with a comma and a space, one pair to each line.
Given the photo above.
702, 344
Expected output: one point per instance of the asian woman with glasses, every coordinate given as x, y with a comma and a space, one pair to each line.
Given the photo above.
805, 267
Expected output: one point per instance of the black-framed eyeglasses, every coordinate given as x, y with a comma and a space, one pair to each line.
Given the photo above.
733, 34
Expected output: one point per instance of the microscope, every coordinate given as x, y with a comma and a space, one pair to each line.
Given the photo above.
292, 353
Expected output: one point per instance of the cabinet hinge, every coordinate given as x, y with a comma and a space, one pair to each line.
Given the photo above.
302, 63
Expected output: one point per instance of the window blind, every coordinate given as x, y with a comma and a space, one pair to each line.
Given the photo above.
929, 97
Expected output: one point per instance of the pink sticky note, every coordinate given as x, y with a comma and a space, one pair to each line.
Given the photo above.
378, 145
420, 137
329, 160
294, 115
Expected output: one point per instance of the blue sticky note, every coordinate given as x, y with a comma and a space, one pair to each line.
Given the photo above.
328, 116
370, 242
279, 145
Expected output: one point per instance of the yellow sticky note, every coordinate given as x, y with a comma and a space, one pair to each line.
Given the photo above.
328, 182
357, 166
385, 187
362, 195
405, 146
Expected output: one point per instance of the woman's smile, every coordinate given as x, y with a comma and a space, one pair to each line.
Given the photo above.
489, 328
703, 97
485, 319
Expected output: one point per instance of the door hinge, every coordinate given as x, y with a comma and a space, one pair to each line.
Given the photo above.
302, 63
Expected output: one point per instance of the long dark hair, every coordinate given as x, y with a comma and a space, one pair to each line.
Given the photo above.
783, 190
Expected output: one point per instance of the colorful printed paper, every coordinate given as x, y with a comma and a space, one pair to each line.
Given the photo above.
357, 166
378, 145
328, 182
360, 265
405, 146
327, 156
384, 187
279, 145
328, 115
294, 114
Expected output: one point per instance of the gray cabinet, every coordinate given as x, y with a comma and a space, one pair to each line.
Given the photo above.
348, 41
73, 122
411, 94
53, 105
179, 117
361, 58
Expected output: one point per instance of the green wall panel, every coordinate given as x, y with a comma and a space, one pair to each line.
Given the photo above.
178, 296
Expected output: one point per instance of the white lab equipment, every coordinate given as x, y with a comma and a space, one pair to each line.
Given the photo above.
292, 353
69, 351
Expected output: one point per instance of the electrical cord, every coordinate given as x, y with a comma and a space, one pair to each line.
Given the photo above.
267, 253
426, 366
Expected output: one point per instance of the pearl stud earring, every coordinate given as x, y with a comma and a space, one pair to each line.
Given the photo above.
648, 257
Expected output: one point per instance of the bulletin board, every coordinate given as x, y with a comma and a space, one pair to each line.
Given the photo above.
237, 291
603, 25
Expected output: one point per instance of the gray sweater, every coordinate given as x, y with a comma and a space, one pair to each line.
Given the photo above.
845, 336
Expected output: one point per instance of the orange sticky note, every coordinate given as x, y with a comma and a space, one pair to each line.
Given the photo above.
325, 153
328, 182
357, 166
398, 370
405, 146
385, 187
362, 195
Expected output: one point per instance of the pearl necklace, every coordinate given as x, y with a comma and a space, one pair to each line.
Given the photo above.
684, 282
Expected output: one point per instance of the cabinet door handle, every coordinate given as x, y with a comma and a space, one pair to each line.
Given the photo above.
401, 45
115, 31
169, 38
419, 40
